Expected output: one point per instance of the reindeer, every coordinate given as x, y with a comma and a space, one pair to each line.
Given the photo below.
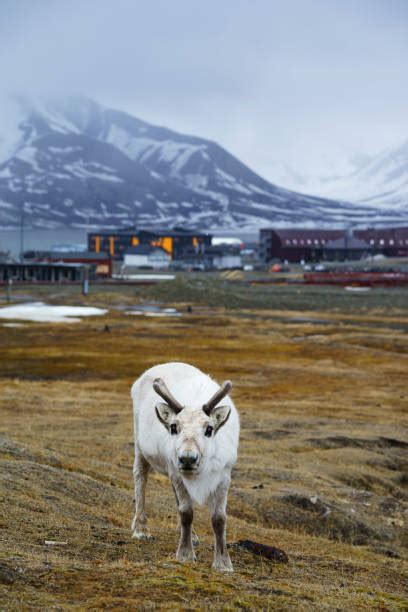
193, 440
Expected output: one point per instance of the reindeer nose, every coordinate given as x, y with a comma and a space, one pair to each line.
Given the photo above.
188, 461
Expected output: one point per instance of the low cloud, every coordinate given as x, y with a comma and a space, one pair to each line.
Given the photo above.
301, 82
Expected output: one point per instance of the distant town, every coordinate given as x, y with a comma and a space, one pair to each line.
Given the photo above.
124, 254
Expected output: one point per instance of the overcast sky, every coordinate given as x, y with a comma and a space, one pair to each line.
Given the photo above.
307, 82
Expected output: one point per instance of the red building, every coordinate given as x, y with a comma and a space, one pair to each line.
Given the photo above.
295, 245
392, 241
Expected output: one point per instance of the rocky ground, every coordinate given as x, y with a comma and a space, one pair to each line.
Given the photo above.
322, 471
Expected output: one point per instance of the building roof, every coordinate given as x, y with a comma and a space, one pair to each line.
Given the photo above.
81, 256
40, 264
172, 233
157, 231
114, 231
305, 233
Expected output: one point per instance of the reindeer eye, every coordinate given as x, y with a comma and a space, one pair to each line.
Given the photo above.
173, 429
208, 431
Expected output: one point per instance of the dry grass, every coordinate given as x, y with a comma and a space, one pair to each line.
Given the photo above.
322, 396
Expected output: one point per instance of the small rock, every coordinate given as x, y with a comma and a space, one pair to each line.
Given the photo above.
269, 552
7, 574
388, 552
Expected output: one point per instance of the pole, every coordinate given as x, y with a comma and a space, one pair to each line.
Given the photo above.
9, 283
22, 235
85, 281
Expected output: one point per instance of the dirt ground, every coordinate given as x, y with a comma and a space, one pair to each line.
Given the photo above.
322, 470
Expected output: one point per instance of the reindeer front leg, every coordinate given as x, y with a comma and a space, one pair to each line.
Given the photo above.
185, 551
140, 471
218, 506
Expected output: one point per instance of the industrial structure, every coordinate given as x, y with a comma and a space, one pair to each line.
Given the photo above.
177, 242
40, 272
160, 248
98, 264
311, 245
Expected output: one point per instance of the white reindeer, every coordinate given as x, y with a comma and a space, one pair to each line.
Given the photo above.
190, 438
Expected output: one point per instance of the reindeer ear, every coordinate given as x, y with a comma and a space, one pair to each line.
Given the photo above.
164, 413
220, 414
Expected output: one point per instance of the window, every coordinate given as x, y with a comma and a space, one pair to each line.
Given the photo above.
309, 241
316, 241
372, 241
294, 241
381, 241
391, 241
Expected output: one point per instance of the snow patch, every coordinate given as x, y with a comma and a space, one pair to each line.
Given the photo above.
11, 116
44, 313
28, 154
64, 149
82, 171
56, 120
12, 325
5, 173
129, 145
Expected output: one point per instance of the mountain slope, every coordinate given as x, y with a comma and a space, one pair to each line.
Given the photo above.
77, 163
380, 180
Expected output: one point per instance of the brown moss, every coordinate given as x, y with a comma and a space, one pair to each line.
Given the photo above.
322, 410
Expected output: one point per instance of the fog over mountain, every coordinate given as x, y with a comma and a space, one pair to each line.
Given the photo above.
76, 163
380, 180
308, 84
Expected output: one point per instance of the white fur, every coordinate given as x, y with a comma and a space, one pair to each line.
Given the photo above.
192, 388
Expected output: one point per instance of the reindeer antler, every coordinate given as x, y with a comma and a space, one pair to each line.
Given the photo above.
161, 388
217, 397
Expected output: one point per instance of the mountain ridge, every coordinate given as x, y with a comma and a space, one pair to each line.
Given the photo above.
77, 163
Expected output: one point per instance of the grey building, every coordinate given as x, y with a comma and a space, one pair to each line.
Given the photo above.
146, 256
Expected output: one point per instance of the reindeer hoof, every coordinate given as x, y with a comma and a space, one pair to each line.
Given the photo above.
186, 555
222, 564
142, 534
140, 530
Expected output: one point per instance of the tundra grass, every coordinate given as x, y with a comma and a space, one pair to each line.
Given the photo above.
212, 289
323, 399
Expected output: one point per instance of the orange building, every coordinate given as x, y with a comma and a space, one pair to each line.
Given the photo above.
177, 242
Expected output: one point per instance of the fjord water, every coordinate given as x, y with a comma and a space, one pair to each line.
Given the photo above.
10, 240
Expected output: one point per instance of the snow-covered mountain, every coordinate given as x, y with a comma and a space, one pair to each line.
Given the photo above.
77, 163
380, 180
